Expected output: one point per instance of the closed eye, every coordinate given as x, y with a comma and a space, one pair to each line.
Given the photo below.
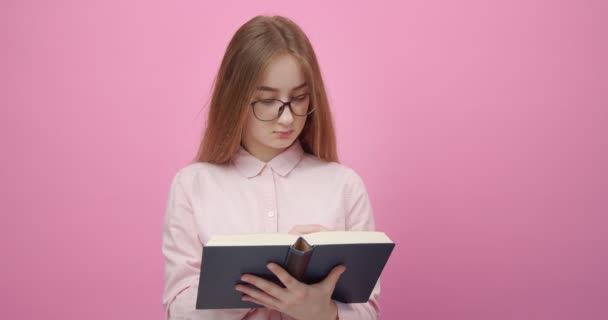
300, 97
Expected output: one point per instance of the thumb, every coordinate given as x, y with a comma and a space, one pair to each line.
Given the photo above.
334, 275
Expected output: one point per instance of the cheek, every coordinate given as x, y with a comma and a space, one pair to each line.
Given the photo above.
257, 128
250, 130
301, 123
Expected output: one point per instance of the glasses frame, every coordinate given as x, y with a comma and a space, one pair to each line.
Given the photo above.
282, 107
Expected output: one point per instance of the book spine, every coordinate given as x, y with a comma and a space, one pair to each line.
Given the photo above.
297, 262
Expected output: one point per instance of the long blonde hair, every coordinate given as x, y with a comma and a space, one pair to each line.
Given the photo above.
247, 56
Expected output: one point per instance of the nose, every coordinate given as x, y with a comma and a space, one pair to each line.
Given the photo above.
286, 116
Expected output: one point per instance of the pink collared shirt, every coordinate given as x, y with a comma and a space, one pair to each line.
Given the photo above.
251, 196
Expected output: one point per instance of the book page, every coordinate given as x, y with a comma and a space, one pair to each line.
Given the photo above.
279, 239
346, 237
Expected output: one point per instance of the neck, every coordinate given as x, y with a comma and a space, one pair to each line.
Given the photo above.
261, 152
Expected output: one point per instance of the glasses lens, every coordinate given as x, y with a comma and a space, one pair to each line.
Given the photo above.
300, 104
268, 109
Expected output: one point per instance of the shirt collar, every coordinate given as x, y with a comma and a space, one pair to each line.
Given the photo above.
282, 163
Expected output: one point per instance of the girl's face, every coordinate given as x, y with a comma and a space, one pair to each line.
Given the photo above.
283, 80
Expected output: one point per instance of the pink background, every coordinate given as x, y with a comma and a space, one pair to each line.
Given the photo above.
479, 129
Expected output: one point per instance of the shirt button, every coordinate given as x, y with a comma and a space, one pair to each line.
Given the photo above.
271, 214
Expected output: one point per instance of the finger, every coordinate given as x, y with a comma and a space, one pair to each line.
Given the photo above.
323, 228
288, 280
265, 285
256, 301
308, 228
259, 296
332, 278
297, 230
304, 229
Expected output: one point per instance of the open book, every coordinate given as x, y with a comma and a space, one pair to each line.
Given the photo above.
309, 258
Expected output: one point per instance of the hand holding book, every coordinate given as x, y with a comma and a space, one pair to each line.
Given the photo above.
296, 299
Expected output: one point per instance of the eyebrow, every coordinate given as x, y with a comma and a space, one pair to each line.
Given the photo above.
265, 88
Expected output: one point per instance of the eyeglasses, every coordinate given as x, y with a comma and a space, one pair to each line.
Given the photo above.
271, 109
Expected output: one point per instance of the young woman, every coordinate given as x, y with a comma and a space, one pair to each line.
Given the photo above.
267, 163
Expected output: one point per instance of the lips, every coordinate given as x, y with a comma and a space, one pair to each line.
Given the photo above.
284, 132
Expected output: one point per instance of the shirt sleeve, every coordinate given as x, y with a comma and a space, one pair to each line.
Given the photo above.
182, 249
359, 217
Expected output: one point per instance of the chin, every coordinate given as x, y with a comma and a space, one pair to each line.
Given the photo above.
282, 144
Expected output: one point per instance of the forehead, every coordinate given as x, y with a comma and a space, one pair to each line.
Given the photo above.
284, 74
